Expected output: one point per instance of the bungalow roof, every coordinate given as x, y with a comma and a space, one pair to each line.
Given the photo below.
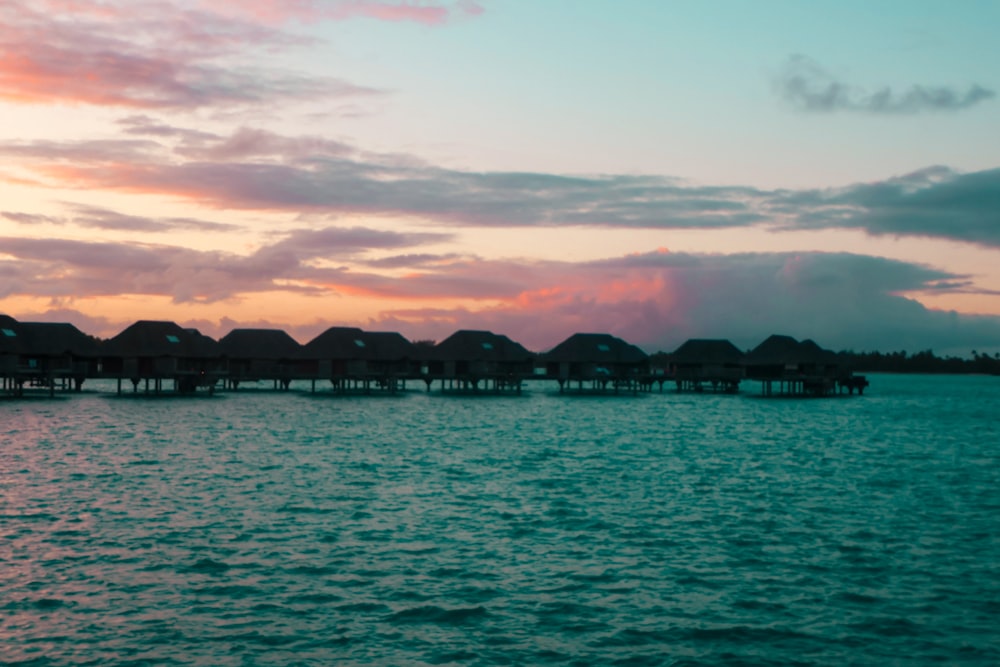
813, 353
55, 338
595, 348
778, 349
337, 343
390, 345
149, 338
707, 351
475, 345
10, 335
774, 350
271, 344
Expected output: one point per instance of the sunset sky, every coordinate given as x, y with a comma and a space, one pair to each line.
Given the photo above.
655, 170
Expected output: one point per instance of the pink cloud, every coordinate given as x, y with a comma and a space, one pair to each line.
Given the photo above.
654, 300
143, 55
425, 12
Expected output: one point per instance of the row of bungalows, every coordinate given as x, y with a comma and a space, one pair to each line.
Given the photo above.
783, 365
347, 357
161, 352
160, 356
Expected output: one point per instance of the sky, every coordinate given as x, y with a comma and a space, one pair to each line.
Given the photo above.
655, 170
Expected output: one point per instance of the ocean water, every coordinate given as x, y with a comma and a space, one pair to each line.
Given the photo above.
264, 528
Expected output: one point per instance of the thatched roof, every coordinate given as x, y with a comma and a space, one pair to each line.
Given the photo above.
346, 343
780, 350
390, 346
10, 335
707, 351
269, 344
44, 339
56, 338
337, 343
473, 345
813, 353
148, 338
595, 348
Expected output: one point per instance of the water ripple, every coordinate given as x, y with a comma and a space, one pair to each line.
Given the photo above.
655, 530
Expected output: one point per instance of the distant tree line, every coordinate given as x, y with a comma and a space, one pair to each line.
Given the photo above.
920, 362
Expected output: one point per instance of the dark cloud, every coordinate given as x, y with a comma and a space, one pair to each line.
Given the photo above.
807, 86
261, 170
656, 300
934, 202
258, 170
843, 301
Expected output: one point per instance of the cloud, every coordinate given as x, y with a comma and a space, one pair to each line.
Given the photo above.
103, 218
345, 243
807, 86
259, 170
279, 11
935, 202
147, 55
63, 268
656, 300
253, 169
31, 218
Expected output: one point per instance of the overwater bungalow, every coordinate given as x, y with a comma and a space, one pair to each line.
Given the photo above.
787, 367
701, 364
253, 355
47, 355
10, 352
471, 360
356, 360
597, 361
154, 351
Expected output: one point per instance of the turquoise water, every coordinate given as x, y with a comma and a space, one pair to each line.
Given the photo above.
265, 528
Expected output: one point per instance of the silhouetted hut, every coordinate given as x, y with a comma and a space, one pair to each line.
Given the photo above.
798, 369
353, 359
395, 358
60, 353
44, 354
10, 354
701, 363
251, 355
469, 357
154, 351
599, 360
